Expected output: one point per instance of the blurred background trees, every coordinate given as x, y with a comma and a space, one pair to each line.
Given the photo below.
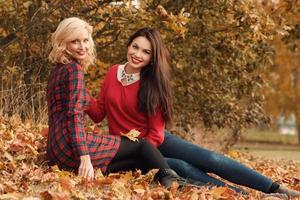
282, 75
223, 53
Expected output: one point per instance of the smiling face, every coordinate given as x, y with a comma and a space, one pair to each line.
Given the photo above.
79, 46
139, 54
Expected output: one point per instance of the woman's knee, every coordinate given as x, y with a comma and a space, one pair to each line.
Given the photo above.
178, 164
216, 161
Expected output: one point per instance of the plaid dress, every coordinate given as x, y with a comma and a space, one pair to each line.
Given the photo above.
67, 100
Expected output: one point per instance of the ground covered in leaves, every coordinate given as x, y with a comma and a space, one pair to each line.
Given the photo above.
24, 174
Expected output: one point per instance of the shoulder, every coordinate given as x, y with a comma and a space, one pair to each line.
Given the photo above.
113, 68
73, 67
112, 71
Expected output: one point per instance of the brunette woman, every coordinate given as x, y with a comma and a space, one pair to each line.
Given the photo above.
137, 95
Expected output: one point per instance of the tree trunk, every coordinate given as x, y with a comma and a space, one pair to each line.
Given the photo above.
297, 113
298, 132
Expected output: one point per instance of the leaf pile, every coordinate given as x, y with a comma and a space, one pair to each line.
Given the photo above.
25, 175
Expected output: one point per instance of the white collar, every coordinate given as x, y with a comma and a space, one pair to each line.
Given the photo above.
126, 79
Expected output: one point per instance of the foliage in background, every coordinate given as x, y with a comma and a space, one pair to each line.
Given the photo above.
217, 49
25, 30
217, 64
283, 75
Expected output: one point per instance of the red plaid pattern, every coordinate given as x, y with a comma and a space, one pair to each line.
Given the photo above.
67, 99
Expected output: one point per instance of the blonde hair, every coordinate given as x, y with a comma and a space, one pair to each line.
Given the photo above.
67, 31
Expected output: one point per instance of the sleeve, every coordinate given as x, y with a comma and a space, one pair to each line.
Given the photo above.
76, 95
96, 109
156, 126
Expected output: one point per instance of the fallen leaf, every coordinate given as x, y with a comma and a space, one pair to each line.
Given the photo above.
218, 192
194, 196
11, 196
98, 174
132, 135
47, 195
233, 154
44, 131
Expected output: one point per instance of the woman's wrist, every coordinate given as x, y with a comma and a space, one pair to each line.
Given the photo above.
85, 158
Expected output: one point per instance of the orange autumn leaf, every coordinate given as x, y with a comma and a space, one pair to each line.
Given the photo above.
47, 195
44, 131
222, 193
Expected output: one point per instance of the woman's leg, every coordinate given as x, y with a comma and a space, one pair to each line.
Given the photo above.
126, 165
143, 151
191, 172
209, 161
149, 156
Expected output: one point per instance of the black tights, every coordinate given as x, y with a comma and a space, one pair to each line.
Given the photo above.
137, 155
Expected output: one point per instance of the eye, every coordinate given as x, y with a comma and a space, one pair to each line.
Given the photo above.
86, 40
74, 41
147, 52
135, 46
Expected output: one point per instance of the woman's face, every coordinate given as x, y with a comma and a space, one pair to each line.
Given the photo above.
79, 46
139, 54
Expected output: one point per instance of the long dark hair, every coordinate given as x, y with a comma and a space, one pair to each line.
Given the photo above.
155, 86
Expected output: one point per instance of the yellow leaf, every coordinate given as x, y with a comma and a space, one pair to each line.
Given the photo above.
233, 154
78, 195
194, 196
11, 196
218, 192
61, 174
132, 135
222, 193
98, 174
127, 176
140, 191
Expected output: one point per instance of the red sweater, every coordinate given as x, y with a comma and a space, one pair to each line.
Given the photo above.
119, 104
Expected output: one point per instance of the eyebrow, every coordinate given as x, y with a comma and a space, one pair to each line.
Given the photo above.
149, 50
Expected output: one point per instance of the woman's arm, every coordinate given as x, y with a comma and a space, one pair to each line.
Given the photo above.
76, 97
96, 109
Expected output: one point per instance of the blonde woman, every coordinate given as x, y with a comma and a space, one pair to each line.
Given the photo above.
68, 145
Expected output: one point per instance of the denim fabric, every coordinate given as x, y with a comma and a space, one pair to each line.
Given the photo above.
199, 161
195, 175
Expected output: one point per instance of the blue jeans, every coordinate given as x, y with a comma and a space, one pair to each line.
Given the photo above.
193, 162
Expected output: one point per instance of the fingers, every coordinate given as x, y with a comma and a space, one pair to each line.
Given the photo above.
86, 172
90, 174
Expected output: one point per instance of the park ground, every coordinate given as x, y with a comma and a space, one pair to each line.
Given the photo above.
24, 174
269, 144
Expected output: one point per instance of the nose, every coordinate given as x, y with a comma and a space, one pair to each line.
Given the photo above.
81, 45
138, 54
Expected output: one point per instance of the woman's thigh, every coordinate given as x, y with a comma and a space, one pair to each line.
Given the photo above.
176, 147
204, 159
128, 149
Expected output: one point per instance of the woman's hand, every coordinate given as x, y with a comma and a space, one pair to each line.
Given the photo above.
86, 168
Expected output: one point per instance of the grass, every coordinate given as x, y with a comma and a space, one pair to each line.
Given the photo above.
269, 144
25, 100
268, 136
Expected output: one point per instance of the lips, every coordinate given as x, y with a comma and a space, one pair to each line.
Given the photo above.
81, 53
135, 61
